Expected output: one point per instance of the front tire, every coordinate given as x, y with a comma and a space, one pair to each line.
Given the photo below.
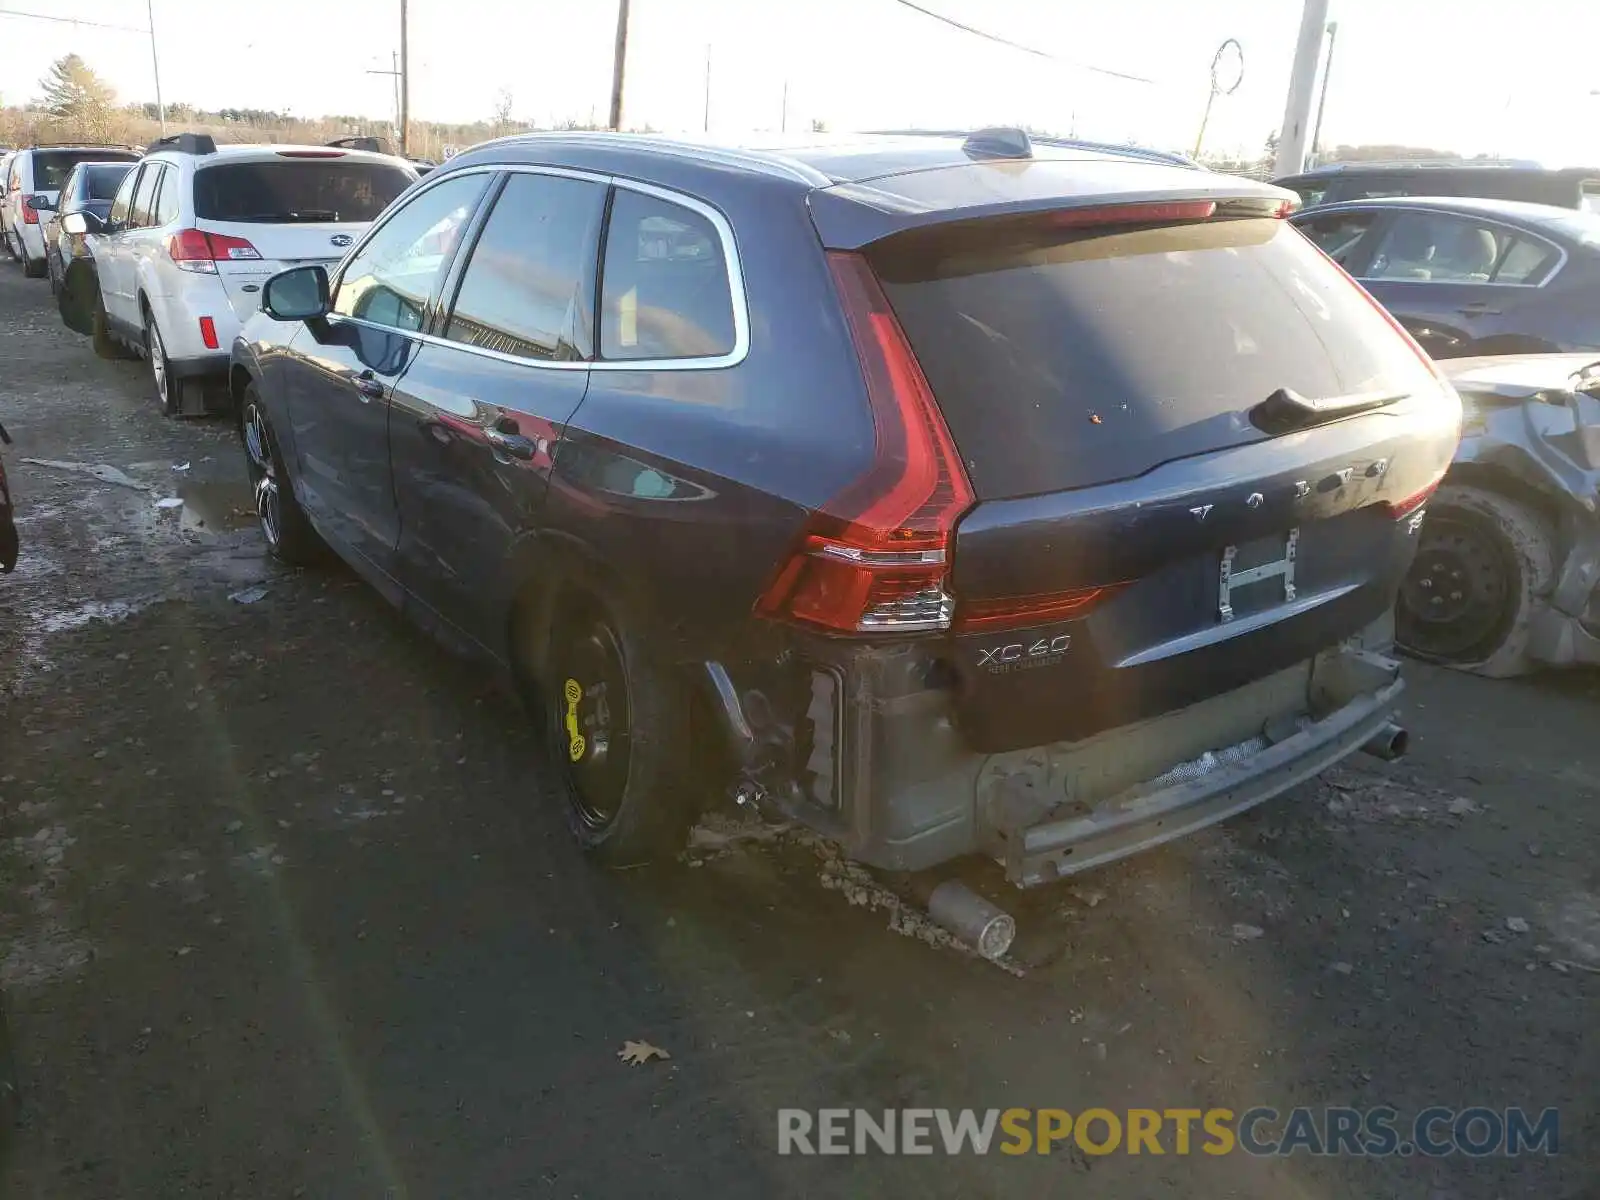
617, 730
106, 344
1484, 565
284, 525
34, 268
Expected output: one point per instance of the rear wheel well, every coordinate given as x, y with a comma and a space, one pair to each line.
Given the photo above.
238, 380
1492, 479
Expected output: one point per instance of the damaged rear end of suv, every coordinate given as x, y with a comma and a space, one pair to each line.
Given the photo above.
1148, 474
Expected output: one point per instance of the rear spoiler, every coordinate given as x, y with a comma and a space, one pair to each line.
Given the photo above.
850, 216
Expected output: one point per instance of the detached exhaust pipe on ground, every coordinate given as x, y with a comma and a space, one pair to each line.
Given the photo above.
1389, 743
985, 927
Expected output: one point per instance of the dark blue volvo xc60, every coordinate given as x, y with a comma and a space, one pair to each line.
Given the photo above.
948, 494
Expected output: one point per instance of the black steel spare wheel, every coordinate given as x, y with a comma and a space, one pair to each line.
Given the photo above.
595, 719
618, 731
1483, 564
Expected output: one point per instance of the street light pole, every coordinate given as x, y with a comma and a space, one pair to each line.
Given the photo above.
1322, 100
155, 63
1296, 128
405, 86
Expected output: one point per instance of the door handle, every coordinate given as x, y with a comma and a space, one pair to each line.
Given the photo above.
514, 444
1478, 308
368, 386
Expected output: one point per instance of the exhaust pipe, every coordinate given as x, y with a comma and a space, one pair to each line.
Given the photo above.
1389, 743
987, 929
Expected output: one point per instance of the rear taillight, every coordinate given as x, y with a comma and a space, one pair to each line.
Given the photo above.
30, 215
196, 250
1020, 612
876, 558
1399, 510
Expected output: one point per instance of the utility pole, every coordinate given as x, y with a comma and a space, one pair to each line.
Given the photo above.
394, 71
783, 121
405, 86
618, 62
1295, 132
1322, 100
707, 126
155, 63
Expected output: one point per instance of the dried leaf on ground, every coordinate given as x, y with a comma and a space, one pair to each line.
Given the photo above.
634, 1053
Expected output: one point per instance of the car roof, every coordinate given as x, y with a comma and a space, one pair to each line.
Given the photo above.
1516, 210
1489, 166
818, 159
266, 151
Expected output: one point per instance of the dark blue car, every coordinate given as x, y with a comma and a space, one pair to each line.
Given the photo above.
950, 495
1472, 277
89, 187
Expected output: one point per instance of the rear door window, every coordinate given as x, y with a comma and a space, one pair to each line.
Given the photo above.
166, 205
664, 283
1445, 248
527, 287
392, 277
1063, 360
289, 191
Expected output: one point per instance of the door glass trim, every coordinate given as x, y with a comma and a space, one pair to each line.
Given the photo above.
719, 222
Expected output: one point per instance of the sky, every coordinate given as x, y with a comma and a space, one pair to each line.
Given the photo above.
1473, 76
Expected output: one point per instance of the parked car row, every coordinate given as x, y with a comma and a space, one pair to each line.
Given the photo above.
949, 494
162, 254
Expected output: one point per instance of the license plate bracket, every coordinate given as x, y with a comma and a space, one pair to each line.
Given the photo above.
1257, 562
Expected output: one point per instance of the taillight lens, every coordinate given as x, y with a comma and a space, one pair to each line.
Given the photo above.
198, 251
1401, 509
1019, 612
30, 215
876, 558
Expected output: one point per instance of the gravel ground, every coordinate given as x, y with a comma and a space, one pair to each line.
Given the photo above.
286, 910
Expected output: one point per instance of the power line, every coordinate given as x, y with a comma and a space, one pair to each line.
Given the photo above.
1037, 53
13, 12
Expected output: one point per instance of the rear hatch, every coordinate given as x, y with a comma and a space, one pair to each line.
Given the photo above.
1197, 450
295, 208
51, 167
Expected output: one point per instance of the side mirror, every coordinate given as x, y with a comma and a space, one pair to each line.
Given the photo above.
40, 202
299, 294
82, 222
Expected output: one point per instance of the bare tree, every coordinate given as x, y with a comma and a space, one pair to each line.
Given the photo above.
502, 110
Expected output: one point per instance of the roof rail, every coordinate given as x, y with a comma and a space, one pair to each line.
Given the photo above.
367, 142
185, 143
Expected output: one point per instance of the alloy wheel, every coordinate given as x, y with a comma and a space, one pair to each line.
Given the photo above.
263, 474
158, 358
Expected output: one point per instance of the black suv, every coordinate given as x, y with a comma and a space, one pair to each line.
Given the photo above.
1570, 187
949, 495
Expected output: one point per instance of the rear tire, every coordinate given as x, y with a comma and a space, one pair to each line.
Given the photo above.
177, 396
617, 727
1484, 565
284, 525
106, 344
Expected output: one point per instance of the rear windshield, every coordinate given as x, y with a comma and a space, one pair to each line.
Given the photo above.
291, 191
101, 183
1065, 361
51, 167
